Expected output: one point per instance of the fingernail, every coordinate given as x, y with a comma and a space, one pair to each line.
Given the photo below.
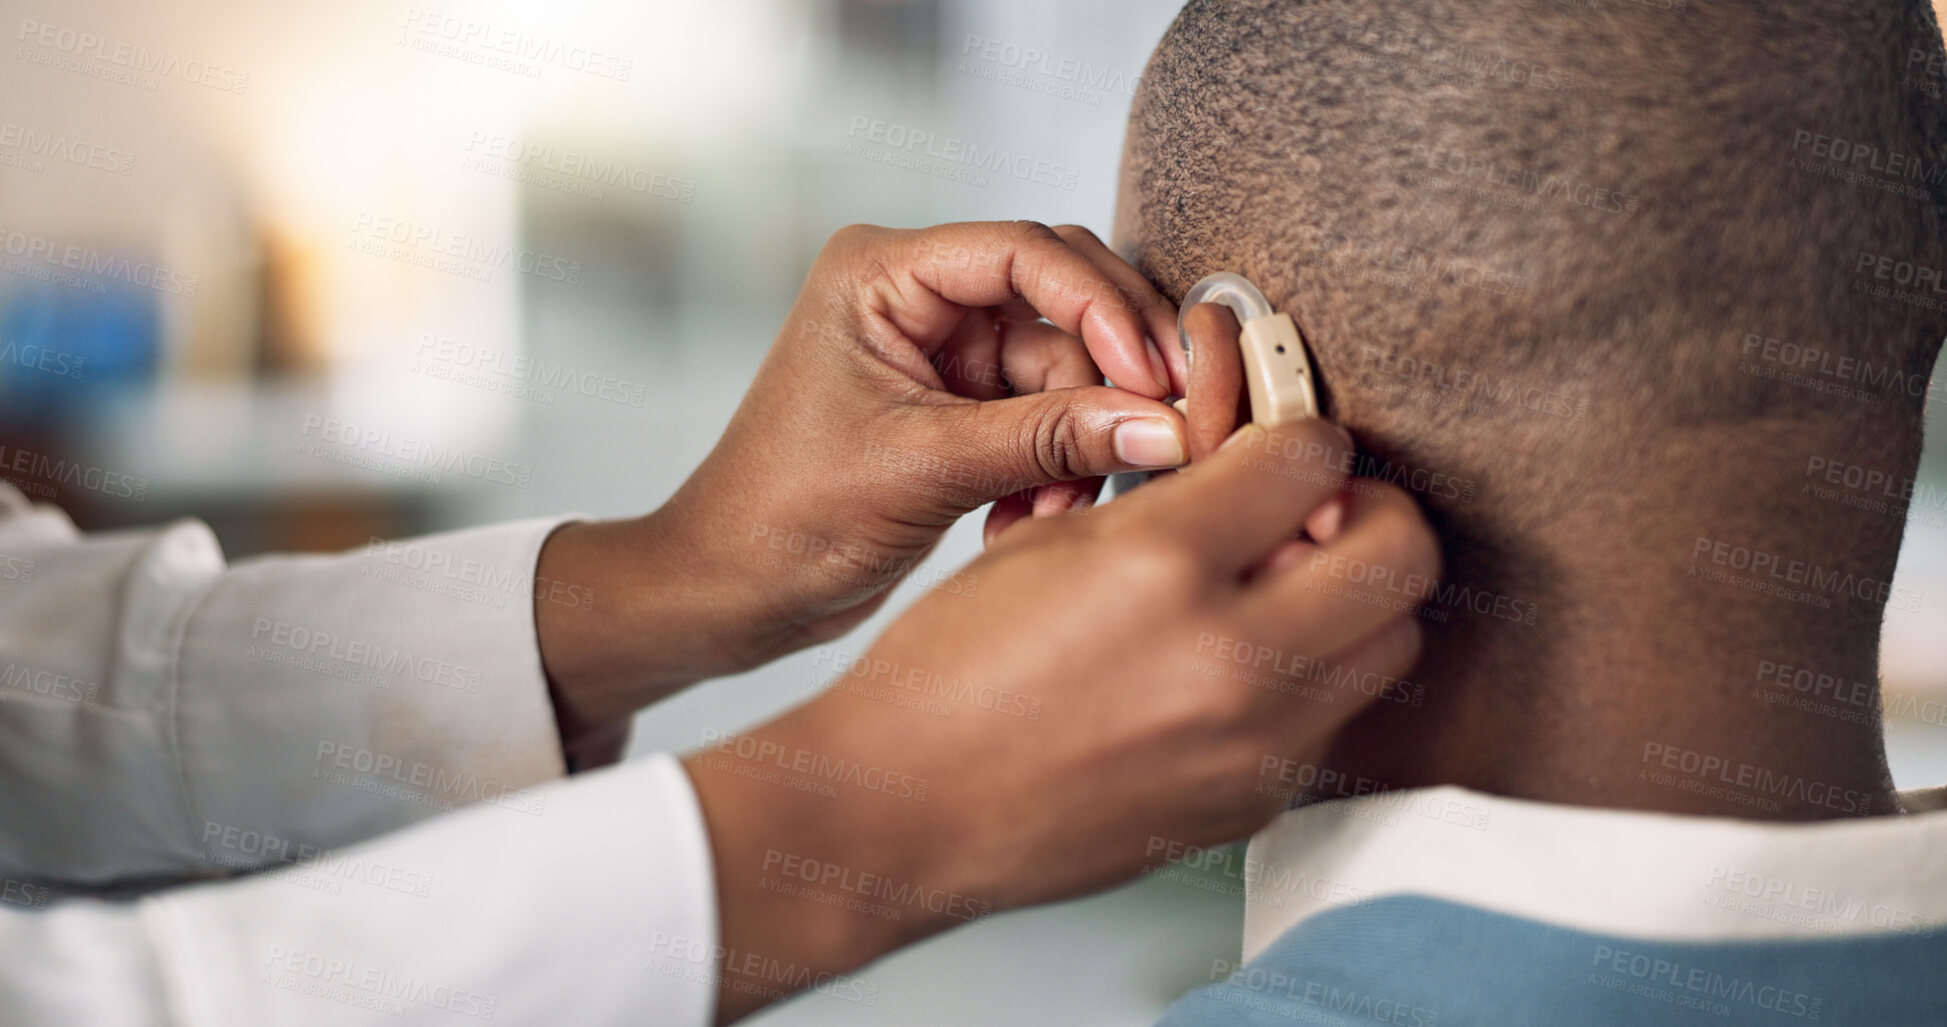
1144, 443
1324, 523
1156, 364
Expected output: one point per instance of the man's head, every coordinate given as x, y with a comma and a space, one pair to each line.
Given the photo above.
1554, 258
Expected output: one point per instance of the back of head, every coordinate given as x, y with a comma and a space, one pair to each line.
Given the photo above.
1556, 256
1516, 232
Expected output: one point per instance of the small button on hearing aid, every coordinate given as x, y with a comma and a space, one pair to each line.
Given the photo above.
1277, 368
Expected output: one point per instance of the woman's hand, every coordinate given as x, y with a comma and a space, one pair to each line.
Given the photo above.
922, 375
1122, 676
1118, 686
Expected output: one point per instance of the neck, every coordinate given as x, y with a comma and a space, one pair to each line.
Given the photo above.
1679, 660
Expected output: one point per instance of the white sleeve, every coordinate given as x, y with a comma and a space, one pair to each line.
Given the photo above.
596, 908
163, 716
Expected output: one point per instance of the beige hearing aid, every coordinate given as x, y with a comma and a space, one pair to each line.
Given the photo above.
1277, 369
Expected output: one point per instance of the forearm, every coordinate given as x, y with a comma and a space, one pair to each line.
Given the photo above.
781, 853
622, 623
630, 612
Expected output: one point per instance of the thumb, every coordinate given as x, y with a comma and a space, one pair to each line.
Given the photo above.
1010, 445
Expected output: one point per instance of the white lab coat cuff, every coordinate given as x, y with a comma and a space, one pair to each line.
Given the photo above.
595, 908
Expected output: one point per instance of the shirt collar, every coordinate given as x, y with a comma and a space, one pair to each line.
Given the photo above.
1648, 875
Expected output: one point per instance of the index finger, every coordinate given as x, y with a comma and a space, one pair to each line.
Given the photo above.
987, 264
1215, 402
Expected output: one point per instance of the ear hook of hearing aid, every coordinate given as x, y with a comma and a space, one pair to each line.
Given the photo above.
1277, 368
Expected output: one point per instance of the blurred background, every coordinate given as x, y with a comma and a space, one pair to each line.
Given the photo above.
319, 272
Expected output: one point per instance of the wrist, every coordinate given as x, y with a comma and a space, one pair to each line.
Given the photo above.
816, 882
626, 615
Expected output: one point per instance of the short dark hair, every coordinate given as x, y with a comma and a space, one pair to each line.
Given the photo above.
1556, 217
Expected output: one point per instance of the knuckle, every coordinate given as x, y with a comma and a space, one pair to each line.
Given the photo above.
1236, 710
1153, 563
1241, 763
853, 236
1030, 229
1057, 443
1228, 719
1028, 234
1075, 234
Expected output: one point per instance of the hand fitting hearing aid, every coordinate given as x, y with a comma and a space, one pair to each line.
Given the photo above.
1277, 367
